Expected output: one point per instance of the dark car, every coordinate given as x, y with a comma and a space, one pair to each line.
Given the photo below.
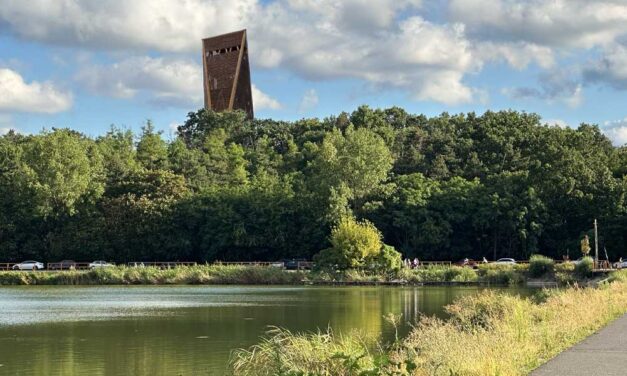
296, 264
62, 265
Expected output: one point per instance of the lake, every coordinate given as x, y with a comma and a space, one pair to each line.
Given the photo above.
184, 330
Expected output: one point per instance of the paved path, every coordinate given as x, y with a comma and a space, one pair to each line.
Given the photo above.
603, 353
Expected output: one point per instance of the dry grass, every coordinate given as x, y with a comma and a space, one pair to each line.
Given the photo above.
322, 353
487, 334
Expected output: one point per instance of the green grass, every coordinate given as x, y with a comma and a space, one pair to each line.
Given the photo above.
497, 274
121, 275
439, 274
486, 334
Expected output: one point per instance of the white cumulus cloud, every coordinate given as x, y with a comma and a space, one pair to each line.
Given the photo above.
262, 101
161, 81
385, 43
16, 95
616, 131
309, 101
165, 81
556, 23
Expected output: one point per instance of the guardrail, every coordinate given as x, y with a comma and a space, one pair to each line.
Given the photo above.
67, 266
434, 263
299, 265
251, 263
160, 264
602, 265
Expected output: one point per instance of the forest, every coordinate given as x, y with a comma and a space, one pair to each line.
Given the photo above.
501, 184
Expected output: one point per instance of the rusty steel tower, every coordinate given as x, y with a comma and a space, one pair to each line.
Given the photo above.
226, 73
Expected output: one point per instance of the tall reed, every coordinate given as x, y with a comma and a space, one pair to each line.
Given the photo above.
486, 334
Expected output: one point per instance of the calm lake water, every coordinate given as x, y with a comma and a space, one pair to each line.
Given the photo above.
183, 330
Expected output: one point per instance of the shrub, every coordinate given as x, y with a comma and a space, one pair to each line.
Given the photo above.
351, 243
502, 274
436, 273
583, 268
540, 266
387, 260
564, 273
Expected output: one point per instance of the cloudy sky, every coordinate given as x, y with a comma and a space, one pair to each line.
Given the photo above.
87, 64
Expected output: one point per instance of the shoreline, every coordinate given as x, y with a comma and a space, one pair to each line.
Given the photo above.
486, 334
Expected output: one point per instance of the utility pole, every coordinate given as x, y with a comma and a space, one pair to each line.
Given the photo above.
596, 242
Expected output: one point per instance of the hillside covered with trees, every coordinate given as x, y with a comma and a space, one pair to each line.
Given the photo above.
226, 188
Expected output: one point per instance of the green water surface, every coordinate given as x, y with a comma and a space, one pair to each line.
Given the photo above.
184, 330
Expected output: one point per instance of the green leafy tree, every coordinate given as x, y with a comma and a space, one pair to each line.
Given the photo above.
152, 151
64, 169
352, 242
360, 160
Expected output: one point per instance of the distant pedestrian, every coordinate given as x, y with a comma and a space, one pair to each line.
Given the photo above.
485, 260
416, 262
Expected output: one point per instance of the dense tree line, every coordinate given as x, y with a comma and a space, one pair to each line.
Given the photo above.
228, 188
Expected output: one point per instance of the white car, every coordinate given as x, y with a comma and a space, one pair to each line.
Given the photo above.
620, 265
509, 261
29, 265
100, 264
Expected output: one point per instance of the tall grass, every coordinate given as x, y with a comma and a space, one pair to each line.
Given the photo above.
502, 274
487, 334
121, 275
282, 352
439, 273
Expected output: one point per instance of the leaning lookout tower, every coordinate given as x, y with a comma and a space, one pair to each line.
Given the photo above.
226, 73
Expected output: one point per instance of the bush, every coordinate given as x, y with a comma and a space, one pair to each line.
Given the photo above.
583, 268
436, 273
387, 260
564, 273
540, 266
502, 274
351, 243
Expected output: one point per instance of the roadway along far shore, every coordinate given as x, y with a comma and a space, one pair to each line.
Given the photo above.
601, 354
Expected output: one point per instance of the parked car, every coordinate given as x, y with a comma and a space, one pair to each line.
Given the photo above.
62, 265
29, 265
293, 264
467, 262
506, 260
620, 265
100, 264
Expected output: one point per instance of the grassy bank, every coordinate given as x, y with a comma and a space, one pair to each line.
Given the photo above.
497, 274
200, 274
236, 274
486, 334
489, 273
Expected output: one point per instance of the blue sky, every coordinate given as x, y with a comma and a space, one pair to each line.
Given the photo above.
86, 65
